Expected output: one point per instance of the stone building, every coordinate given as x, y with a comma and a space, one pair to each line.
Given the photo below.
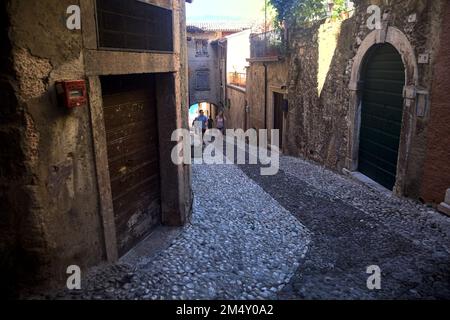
267, 82
370, 103
207, 63
235, 50
86, 170
372, 114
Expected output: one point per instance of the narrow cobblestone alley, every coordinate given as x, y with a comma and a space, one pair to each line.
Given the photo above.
241, 244
306, 233
353, 227
216, 153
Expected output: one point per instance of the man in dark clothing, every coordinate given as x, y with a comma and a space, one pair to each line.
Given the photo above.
210, 123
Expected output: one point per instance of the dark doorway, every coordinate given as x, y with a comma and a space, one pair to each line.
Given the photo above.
133, 154
278, 114
381, 115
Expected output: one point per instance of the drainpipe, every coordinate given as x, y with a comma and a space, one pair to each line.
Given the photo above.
265, 65
223, 54
265, 95
225, 73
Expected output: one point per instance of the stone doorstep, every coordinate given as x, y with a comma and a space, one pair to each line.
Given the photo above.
444, 208
158, 240
358, 176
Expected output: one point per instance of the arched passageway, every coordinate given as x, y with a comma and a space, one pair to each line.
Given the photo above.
209, 109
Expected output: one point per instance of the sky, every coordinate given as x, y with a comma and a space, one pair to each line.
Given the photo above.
229, 9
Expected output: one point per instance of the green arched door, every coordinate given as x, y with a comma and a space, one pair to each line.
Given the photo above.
381, 114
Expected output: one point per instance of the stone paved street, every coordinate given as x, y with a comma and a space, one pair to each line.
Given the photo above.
306, 233
354, 227
241, 244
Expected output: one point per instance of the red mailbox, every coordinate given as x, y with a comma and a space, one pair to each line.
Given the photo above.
72, 94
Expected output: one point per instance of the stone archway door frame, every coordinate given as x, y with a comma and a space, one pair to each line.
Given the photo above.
399, 40
215, 105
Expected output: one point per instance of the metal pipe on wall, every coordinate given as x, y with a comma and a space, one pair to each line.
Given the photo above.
265, 95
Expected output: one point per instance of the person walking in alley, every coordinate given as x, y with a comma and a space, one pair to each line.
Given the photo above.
202, 121
220, 122
210, 123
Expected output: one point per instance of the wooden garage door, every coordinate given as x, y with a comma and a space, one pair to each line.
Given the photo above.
132, 140
381, 115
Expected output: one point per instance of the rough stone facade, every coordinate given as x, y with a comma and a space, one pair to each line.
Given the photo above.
322, 119
437, 166
55, 189
316, 124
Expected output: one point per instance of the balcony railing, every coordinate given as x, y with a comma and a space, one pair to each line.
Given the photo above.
237, 79
267, 44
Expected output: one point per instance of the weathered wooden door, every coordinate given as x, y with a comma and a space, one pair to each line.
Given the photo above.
133, 155
278, 114
381, 115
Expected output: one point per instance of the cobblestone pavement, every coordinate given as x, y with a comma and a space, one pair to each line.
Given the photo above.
353, 227
241, 244
305, 233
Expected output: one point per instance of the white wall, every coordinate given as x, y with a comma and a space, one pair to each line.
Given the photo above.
238, 51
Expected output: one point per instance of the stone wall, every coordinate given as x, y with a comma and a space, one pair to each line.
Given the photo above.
255, 95
235, 110
16, 178
319, 122
316, 125
437, 166
55, 209
52, 177
204, 64
261, 104
187, 195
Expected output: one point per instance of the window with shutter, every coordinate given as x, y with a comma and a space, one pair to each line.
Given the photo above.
202, 80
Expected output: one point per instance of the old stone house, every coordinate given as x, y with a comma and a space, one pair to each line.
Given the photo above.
233, 54
237, 50
207, 63
372, 113
85, 125
369, 103
267, 82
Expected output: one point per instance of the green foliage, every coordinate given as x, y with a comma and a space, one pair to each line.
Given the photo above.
340, 7
298, 10
301, 11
